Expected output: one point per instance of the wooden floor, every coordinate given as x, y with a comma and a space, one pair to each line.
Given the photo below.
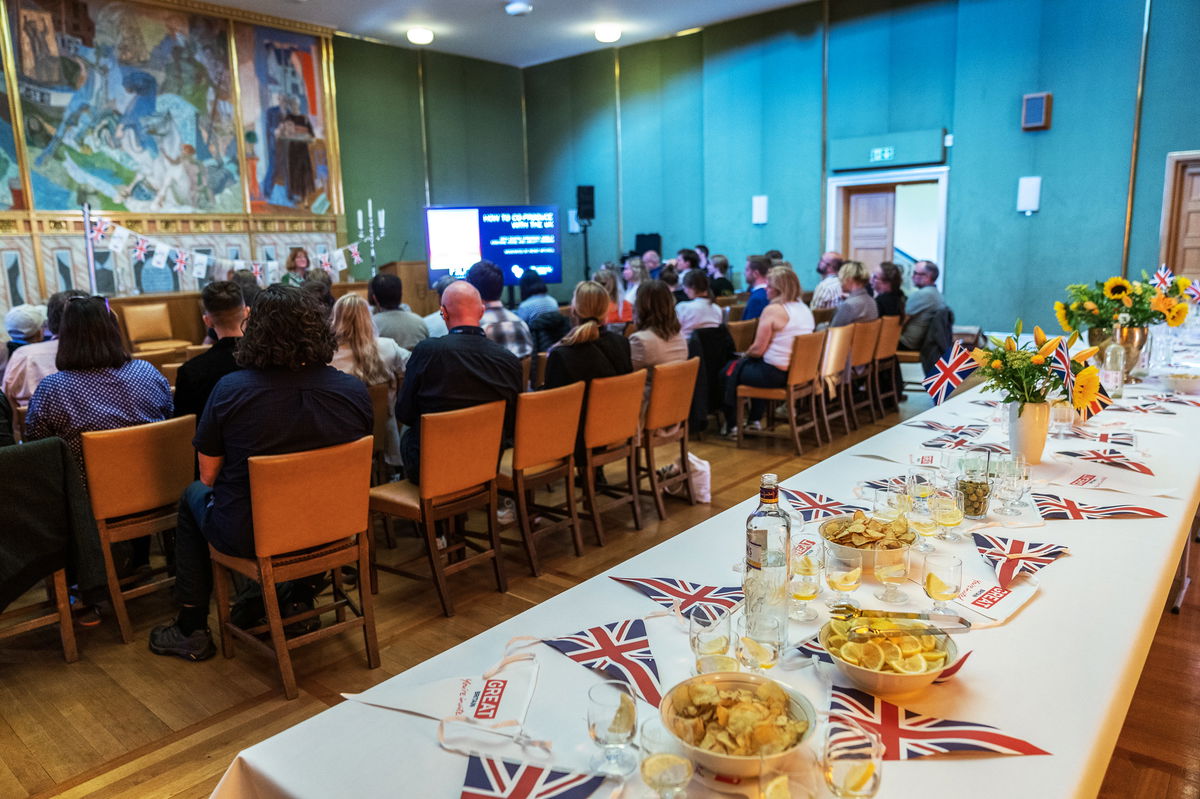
124, 723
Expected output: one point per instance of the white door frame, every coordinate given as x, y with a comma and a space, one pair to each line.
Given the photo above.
835, 185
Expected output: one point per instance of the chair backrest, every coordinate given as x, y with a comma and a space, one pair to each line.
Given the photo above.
460, 449
862, 344
806, 358
526, 365
540, 378
743, 333
147, 322
547, 425
171, 372
823, 316
726, 301
671, 393
736, 310
889, 337
837, 351
159, 358
289, 515
139, 468
380, 412
614, 408
806, 297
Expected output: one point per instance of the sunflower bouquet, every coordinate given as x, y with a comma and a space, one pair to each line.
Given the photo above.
1024, 374
1118, 301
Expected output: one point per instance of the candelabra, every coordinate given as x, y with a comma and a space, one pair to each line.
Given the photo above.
369, 234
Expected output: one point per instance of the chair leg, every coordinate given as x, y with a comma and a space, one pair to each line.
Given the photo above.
221, 585
572, 509
685, 466
114, 590
526, 524
339, 593
589, 496
791, 407
366, 602
878, 391
652, 473
631, 467
494, 535
275, 624
57, 586
741, 413
372, 548
848, 416
435, 566
824, 398
388, 535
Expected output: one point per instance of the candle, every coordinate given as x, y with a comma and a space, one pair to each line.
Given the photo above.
380, 220
370, 211
360, 227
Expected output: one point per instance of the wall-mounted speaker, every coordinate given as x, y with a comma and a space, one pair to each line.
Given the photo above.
648, 241
585, 202
1035, 111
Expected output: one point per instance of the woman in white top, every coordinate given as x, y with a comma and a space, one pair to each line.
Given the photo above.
698, 310
766, 361
368, 357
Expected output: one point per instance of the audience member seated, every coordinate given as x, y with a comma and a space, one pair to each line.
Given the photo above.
858, 306
619, 310
889, 297
372, 359
459, 370
671, 278
499, 324
653, 263
921, 306
588, 351
633, 275
698, 310
248, 283
319, 286
535, 297
658, 338
26, 325
403, 327
295, 268
434, 322
685, 261
28, 365
225, 312
757, 267
721, 285
766, 362
705, 260
285, 398
828, 293
774, 255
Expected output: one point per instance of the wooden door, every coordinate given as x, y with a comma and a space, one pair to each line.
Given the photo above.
1182, 220
869, 224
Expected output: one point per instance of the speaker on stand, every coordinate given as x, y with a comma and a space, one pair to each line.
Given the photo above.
585, 212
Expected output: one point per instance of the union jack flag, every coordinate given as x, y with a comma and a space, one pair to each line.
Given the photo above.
987, 403
323, 261
1110, 457
1145, 407
1102, 438
962, 430
1012, 558
949, 371
140, 248
620, 650
1162, 278
181, 261
811, 506
493, 778
954, 442
354, 256
1193, 291
1175, 398
100, 229
952, 669
1053, 507
1094, 407
907, 735
884, 483
1060, 364
693, 599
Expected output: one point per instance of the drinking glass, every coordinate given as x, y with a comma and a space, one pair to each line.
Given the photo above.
891, 569
612, 722
890, 502
949, 468
843, 574
760, 641
710, 644
922, 480
1009, 485
665, 767
852, 758
1062, 416
920, 521
947, 507
976, 485
794, 777
942, 580
805, 584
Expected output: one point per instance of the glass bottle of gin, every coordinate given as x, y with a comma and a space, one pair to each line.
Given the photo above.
768, 544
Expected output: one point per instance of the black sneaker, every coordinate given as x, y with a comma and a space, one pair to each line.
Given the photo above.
168, 639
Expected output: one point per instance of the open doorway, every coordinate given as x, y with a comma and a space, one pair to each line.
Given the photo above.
1180, 233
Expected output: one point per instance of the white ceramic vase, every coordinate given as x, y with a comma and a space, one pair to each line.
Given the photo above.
1028, 425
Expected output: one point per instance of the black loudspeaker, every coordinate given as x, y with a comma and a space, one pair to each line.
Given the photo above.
648, 241
585, 202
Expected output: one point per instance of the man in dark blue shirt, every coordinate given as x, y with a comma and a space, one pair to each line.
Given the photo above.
757, 267
286, 398
225, 312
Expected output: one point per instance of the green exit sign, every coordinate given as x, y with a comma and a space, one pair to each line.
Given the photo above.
906, 148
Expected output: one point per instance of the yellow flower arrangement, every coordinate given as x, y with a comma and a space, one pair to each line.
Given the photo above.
997, 365
1117, 301
1117, 287
1177, 314
1183, 284
1022, 373
1087, 387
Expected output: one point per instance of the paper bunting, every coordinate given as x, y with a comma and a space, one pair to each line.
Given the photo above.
949, 372
1145, 407
812, 648
1163, 277
884, 483
100, 229
323, 261
1012, 558
140, 249
812, 506
1110, 457
961, 430
495, 778
907, 735
199, 265
354, 256
619, 650
159, 259
338, 259
181, 261
118, 238
1102, 438
1053, 508
954, 442
692, 599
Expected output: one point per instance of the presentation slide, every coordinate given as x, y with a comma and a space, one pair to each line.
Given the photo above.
517, 238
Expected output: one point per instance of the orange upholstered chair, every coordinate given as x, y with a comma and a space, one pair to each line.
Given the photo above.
803, 382
666, 422
610, 433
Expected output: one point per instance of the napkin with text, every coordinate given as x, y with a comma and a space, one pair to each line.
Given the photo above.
1012, 558
690, 599
1054, 508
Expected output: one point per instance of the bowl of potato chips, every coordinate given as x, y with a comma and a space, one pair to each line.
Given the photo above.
859, 532
896, 663
732, 723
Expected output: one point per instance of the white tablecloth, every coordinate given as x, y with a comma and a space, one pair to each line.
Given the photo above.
1060, 673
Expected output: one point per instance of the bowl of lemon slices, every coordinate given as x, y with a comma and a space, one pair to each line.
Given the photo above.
895, 662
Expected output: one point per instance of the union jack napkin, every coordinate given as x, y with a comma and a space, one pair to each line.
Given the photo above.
812, 648
619, 650
1102, 438
884, 483
907, 735
949, 441
1110, 457
949, 372
1145, 407
987, 403
1053, 507
811, 506
1012, 558
961, 430
693, 599
494, 778
1175, 398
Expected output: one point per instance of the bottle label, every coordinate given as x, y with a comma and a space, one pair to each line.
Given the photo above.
756, 546
768, 495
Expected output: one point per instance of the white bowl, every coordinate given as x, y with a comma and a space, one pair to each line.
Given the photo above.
1184, 382
841, 550
738, 765
886, 683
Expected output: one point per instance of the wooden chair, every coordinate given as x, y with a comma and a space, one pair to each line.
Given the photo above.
726, 301
835, 387
861, 375
136, 476
300, 533
171, 372
159, 359
806, 297
666, 422
610, 432
148, 326
196, 349
736, 310
526, 364
803, 382
539, 379
823, 316
380, 413
887, 364
55, 610
743, 334
543, 453
460, 451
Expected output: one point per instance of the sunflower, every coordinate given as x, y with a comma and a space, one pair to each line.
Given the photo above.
1117, 287
1087, 387
1060, 313
1182, 284
1177, 314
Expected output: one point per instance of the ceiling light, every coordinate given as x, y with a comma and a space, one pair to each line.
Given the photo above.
689, 31
518, 8
420, 35
608, 32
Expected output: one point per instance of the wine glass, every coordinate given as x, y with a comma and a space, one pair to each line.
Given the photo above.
891, 569
1062, 417
920, 521
888, 503
665, 767
949, 467
710, 643
760, 641
612, 722
947, 507
921, 482
843, 574
805, 584
852, 758
943, 580
793, 777
1007, 487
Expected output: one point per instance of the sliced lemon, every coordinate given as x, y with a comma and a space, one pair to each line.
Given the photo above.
858, 777
836, 641
909, 665
778, 788
934, 658
757, 651
885, 624
655, 767
928, 642
839, 627
890, 651
909, 645
852, 653
937, 589
624, 718
846, 581
871, 657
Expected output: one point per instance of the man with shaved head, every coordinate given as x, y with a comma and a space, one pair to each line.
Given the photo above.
455, 371
828, 293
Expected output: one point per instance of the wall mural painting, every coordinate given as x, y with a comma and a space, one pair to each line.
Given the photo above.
126, 106
284, 119
12, 194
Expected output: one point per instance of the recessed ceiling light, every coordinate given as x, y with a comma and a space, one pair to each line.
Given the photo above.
518, 8
420, 35
688, 32
608, 32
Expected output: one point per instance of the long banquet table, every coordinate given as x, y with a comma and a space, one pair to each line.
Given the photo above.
1060, 673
